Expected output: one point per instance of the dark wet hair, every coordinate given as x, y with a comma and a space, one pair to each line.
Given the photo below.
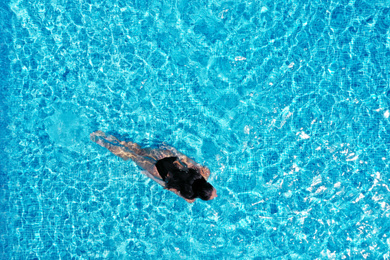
202, 189
191, 184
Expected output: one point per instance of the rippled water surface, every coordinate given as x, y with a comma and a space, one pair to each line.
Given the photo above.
287, 102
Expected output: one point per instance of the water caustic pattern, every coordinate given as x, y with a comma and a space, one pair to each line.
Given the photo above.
287, 102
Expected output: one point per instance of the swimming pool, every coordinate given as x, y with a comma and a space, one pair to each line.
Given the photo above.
287, 103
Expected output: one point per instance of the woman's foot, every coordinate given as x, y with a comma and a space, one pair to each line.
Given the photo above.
100, 137
97, 137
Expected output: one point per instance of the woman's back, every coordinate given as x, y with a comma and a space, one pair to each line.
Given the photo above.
181, 179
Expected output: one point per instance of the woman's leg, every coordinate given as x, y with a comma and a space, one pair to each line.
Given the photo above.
142, 157
156, 154
111, 144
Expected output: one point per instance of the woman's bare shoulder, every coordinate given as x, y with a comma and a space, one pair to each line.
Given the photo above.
205, 172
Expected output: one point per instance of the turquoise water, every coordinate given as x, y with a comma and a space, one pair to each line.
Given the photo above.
287, 102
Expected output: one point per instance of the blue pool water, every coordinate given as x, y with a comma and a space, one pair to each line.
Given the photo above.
287, 102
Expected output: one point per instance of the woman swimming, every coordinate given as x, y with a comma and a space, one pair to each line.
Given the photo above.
168, 167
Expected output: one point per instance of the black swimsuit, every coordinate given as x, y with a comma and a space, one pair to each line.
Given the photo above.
182, 180
164, 166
